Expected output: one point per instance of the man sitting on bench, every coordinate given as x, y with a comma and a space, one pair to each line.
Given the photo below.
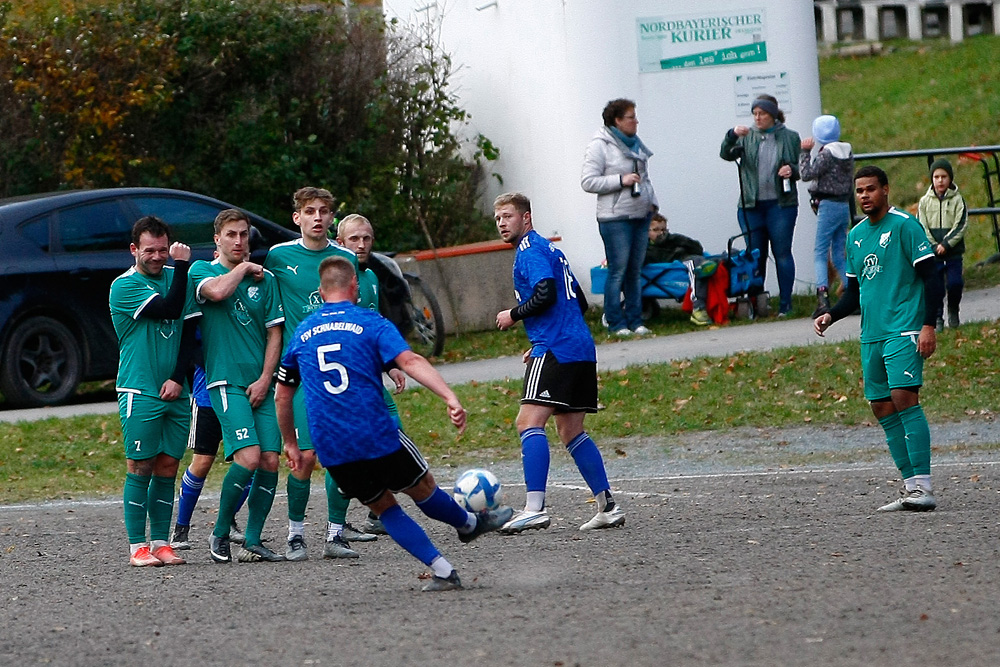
665, 247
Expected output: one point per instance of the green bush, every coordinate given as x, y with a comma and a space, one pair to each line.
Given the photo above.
245, 100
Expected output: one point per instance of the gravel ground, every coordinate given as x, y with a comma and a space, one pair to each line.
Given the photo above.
757, 548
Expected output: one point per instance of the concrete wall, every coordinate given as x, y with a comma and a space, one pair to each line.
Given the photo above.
535, 75
952, 18
471, 283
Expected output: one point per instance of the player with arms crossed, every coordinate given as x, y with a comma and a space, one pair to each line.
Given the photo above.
561, 374
295, 265
891, 273
153, 316
338, 355
241, 335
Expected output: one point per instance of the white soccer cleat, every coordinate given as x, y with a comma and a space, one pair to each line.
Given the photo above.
609, 519
919, 500
526, 520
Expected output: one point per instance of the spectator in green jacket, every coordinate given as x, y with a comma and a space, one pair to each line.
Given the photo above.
944, 216
769, 201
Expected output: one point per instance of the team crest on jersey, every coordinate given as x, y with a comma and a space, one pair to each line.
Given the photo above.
883, 240
166, 328
253, 293
315, 301
242, 314
872, 267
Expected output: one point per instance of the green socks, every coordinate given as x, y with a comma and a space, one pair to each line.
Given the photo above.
918, 439
232, 493
336, 503
259, 504
135, 499
298, 497
895, 436
161, 507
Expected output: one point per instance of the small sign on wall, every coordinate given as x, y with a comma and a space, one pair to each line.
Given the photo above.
750, 86
707, 39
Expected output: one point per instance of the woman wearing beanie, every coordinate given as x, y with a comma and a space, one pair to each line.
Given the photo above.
769, 200
615, 169
944, 216
828, 164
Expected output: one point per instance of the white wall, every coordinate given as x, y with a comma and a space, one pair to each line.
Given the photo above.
536, 75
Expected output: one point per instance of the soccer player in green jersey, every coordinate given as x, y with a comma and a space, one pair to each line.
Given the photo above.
153, 316
355, 232
891, 274
295, 265
241, 336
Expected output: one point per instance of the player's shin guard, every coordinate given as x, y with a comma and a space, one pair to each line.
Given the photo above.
535, 458
895, 437
442, 507
135, 498
298, 497
336, 503
232, 490
265, 483
918, 439
161, 507
588, 459
188, 497
408, 534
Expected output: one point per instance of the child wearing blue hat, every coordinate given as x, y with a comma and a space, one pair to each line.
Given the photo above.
828, 164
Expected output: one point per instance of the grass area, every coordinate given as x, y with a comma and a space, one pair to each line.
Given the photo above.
920, 95
818, 384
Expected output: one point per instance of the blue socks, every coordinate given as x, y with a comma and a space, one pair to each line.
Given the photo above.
588, 459
442, 507
409, 535
535, 457
191, 487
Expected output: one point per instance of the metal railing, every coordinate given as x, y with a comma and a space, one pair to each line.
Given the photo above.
984, 154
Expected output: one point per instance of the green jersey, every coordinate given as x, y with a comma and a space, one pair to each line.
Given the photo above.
882, 256
368, 289
147, 347
234, 330
296, 269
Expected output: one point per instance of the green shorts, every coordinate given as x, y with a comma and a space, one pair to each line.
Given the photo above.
301, 423
243, 426
891, 364
152, 426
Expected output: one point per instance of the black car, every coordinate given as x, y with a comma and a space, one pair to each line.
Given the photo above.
58, 255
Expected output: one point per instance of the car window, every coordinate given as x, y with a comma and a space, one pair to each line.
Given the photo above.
37, 231
192, 222
100, 225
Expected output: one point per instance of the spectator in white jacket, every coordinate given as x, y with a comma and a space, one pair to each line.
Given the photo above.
615, 169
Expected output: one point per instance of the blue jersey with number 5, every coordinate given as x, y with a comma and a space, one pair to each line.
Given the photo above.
339, 352
561, 329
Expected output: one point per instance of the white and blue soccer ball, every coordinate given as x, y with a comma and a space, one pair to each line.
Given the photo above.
478, 490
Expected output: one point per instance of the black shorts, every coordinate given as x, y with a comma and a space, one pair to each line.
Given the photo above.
206, 432
570, 387
368, 479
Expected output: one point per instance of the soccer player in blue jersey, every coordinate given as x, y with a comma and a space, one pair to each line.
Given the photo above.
561, 374
892, 275
337, 355
153, 317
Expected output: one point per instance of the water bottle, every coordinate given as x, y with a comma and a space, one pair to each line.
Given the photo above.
786, 185
636, 188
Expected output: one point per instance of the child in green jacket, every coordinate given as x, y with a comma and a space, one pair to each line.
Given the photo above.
944, 216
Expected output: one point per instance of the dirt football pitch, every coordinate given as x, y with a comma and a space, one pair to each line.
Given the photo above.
716, 565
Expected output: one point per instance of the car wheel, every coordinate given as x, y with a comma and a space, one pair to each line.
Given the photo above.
42, 363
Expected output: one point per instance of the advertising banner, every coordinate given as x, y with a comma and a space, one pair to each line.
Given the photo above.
705, 39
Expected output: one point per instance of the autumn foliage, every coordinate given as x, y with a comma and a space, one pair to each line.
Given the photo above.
245, 100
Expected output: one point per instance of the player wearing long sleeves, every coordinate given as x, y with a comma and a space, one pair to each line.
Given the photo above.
561, 375
153, 316
890, 273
